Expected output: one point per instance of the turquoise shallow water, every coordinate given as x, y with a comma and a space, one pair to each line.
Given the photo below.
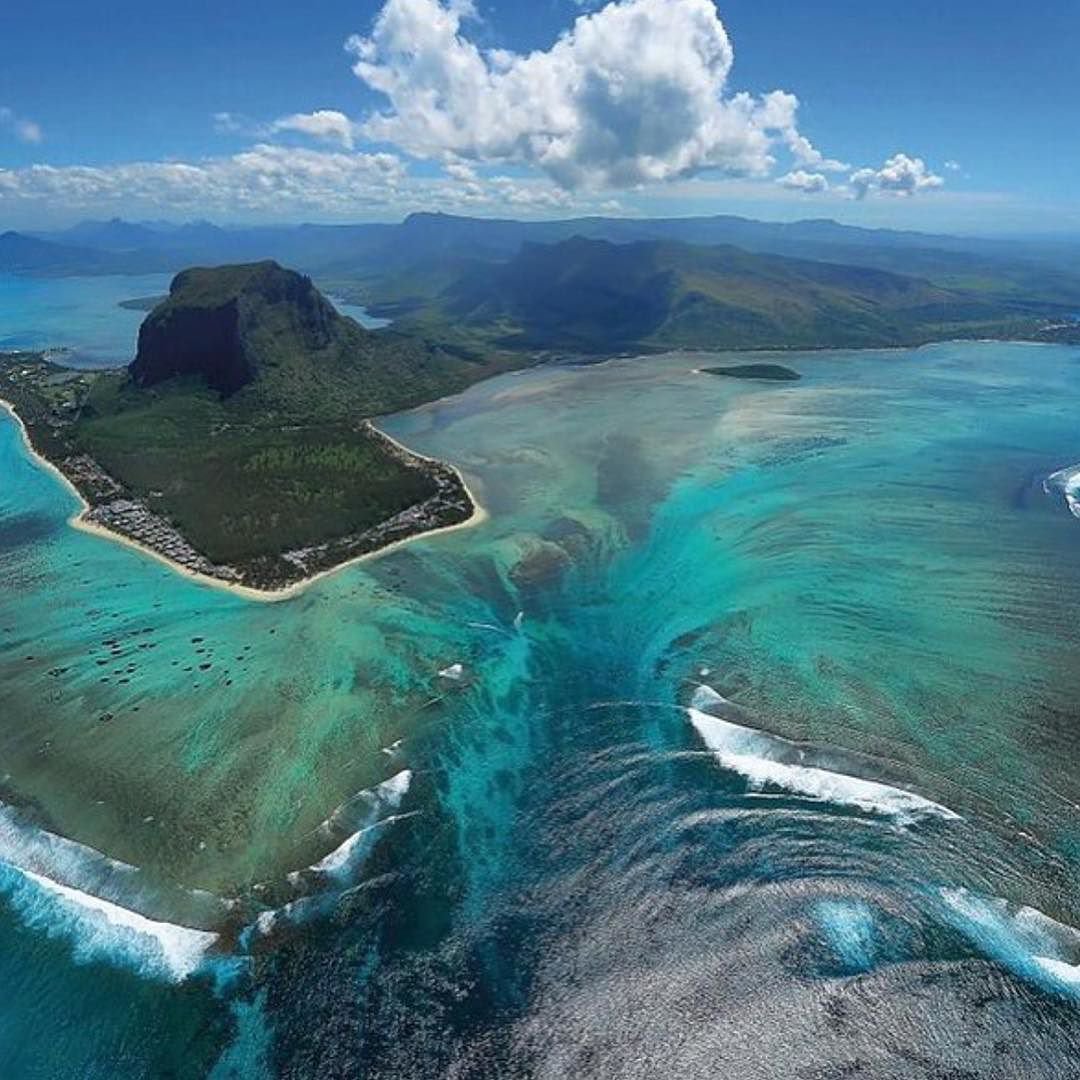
77, 313
760, 759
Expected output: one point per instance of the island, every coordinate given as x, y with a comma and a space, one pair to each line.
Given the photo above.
239, 444
142, 303
765, 372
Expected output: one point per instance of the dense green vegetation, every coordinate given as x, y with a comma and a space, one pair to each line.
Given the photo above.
593, 296
236, 486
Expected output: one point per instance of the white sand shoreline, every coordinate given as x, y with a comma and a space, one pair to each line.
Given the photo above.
247, 592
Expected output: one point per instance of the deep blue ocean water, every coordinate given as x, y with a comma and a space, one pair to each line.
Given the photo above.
739, 741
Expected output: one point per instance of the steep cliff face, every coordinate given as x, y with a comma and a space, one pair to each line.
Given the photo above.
227, 324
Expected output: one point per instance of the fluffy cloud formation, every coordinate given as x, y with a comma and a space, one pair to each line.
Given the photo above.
900, 175
262, 178
326, 124
807, 182
631, 94
24, 130
269, 182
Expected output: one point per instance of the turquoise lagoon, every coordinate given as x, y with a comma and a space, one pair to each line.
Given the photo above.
761, 758
80, 314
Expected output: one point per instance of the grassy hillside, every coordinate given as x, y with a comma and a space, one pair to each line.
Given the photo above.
595, 296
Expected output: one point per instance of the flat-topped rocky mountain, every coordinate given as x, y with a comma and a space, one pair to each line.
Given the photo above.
227, 323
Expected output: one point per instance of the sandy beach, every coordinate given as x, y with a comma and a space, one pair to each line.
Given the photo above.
79, 521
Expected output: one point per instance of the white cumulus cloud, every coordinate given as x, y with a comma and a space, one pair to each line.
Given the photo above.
808, 182
633, 93
263, 178
326, 124
900, 175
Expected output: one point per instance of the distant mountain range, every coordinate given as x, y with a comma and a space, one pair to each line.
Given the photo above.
596, 296
606, 284
1046, 269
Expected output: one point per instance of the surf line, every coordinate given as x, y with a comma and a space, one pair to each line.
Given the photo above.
766, 760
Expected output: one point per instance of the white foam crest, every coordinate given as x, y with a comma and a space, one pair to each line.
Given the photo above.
1059, 970
770, 761
29, 847
348, 856
101, 930
25, 846
377, 806
1067, 482
371, 802
489, 626
1023, 939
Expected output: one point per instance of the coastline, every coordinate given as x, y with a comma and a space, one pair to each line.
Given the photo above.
272, 596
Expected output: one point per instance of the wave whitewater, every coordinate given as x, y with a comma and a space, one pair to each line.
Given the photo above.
101, 930
325, 881
766, 760
1022, 939
1066, 482
364, 812
74, 892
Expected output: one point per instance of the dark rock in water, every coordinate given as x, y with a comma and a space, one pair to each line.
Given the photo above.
541, 565
768, 372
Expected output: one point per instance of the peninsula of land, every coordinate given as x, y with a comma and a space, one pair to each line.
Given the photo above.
238, 445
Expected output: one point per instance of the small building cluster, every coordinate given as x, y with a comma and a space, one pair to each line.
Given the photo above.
132, 519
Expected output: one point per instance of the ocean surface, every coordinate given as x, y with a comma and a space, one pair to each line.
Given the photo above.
741, 740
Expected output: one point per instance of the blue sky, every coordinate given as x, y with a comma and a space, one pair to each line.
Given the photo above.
923, 115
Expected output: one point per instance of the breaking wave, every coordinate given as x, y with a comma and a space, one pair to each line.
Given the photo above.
1066, 482
1022, 939
104, 908
99, 930
317, 888
770, 761
27, 846
361, 816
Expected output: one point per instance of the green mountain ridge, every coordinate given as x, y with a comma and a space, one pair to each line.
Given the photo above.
596, 296
1041, 274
